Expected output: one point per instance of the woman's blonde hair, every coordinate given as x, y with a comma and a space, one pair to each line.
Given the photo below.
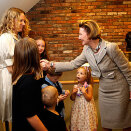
92, 28
8, 22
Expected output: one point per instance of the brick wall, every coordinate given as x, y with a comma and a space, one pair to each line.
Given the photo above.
57, 21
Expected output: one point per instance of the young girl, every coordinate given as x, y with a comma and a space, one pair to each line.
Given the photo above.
83, 114
42, 47
26, 89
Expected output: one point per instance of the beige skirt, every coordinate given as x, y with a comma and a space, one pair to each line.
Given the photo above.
114, 103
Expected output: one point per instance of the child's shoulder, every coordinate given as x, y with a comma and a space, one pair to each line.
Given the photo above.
89, 87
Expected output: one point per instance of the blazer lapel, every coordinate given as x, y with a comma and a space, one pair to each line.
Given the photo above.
91, 57
102, 51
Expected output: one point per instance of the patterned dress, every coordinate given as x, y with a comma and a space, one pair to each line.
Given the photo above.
83, 115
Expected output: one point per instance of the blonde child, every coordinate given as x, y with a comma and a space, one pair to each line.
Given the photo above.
49, 116
83, 114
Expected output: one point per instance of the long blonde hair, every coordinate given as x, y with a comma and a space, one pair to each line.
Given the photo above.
8, 22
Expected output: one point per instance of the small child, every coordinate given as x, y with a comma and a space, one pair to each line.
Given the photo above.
52, 78
49, 116
83, 114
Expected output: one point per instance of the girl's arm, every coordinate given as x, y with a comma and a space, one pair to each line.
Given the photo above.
36, 123
73, 94
87, 92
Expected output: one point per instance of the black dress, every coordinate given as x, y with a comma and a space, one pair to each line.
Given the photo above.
26, 102
52, 121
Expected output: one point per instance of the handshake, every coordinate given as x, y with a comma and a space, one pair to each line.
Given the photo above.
45, 64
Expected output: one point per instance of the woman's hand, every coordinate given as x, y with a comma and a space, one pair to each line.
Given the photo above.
45, 64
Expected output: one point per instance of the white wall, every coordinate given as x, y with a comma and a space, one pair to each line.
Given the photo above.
22, 4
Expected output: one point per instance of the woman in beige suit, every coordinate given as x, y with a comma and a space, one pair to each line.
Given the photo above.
110, 65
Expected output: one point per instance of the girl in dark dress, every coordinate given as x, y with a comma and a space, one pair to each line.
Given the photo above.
26, 89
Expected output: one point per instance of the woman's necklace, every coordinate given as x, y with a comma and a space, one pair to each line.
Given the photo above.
98, 47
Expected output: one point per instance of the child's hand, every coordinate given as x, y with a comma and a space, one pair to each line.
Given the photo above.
61, 97
75, 89
74, 92
67, 92
83, 89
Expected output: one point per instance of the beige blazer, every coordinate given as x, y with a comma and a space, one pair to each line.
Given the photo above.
111, 61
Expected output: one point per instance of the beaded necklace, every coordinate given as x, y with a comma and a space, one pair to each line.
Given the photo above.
98, 47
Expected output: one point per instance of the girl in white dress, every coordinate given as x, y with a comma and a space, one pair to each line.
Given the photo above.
13, 26
83, 113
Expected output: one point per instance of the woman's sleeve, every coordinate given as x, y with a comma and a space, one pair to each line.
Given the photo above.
68, 66
6, 49
122, 62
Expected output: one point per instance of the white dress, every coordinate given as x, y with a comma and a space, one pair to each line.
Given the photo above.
7, 44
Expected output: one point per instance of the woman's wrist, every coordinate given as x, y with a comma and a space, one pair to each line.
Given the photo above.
52, 64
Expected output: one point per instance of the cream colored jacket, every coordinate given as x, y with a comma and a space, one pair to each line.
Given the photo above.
111, 62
